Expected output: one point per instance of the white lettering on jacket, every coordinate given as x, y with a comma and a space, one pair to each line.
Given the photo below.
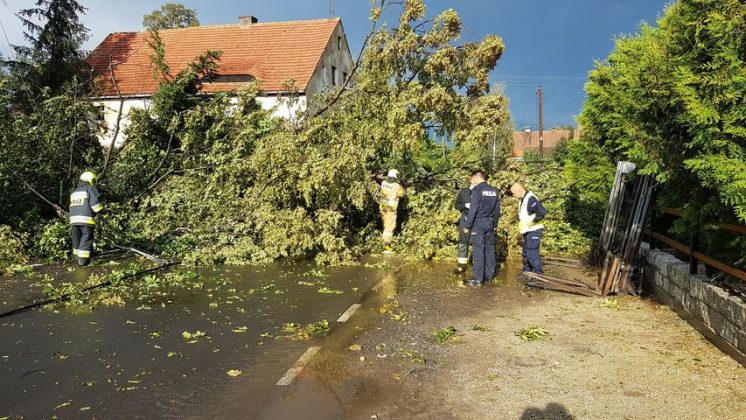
489, 194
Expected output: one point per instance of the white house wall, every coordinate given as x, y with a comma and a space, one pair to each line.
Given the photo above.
281, 107
110, 112
337, 56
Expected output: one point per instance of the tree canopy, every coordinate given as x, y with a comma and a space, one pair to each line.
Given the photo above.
671, 99
52, 57
170, 16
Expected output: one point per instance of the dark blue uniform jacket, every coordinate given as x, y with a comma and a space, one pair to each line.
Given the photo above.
484, 213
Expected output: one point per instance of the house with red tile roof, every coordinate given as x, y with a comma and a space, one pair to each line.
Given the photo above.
528, 141
314, 54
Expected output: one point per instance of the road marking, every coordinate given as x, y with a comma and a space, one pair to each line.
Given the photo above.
297, 368
348, 313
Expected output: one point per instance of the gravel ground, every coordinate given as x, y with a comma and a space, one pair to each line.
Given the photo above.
633, 359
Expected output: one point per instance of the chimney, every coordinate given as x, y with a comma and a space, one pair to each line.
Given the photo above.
247, 21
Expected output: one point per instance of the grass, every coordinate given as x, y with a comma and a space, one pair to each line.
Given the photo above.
477, 327
414, 356
398, 316
444, 334
532, 333
612, 303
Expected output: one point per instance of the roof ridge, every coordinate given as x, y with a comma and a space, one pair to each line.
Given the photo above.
300, 21
233, 25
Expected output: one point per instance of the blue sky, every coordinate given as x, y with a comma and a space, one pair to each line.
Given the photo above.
548, 42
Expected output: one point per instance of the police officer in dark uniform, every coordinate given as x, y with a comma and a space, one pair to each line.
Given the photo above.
483, 216
84, 204
463, 202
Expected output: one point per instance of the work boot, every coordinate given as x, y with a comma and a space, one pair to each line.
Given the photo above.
472, 283
460, 269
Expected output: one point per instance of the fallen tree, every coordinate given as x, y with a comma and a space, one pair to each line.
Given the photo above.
210, 179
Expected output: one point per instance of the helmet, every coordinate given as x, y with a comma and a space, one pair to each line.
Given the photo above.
393, 173
89, 177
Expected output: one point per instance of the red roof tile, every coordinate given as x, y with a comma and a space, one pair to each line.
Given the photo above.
523, 141
272, 52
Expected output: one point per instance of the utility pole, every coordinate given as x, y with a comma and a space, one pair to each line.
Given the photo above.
494, 148
540, 94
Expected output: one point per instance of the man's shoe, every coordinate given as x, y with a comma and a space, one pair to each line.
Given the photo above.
472, 283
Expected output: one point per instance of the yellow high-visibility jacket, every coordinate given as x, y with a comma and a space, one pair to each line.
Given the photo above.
391, 192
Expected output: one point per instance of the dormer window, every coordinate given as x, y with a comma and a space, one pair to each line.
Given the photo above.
232, 78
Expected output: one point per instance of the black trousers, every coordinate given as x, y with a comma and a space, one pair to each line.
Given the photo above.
464, 239
82, 238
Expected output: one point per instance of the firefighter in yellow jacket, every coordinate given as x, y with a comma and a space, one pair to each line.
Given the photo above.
391, 192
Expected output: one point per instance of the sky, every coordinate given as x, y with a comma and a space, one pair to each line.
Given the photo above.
552, 43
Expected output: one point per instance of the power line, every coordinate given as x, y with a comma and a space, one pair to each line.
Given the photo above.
526, 76
7, 40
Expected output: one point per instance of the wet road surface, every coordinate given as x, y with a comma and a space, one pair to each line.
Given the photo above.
150, 359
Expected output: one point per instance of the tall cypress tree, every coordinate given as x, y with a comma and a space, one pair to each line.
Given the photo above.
55, 34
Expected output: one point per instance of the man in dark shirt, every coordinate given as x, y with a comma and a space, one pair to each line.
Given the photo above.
530, 213
483, 216
462, 204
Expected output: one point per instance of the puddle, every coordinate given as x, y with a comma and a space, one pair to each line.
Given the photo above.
352, 371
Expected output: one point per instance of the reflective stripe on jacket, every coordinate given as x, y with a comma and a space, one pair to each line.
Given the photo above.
391, 192
525, 219
84, 204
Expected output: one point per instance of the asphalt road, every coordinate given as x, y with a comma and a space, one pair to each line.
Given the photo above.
135, 361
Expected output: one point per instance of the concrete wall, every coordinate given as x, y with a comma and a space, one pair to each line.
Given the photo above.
335, 55
720, 317
281, 106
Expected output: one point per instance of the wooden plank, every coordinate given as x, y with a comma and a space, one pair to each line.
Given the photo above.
623, 279
604, 270
725, 268
562, 288
672, 243
559, 264
544, 277
609, 281
733, 228
563, 259
669, 210
725, 226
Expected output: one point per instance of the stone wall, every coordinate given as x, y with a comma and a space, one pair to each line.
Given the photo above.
721, 317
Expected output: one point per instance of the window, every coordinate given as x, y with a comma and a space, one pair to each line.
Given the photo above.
97, 119
334, 76
100, 113
339, 43
232, 78
344, 77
